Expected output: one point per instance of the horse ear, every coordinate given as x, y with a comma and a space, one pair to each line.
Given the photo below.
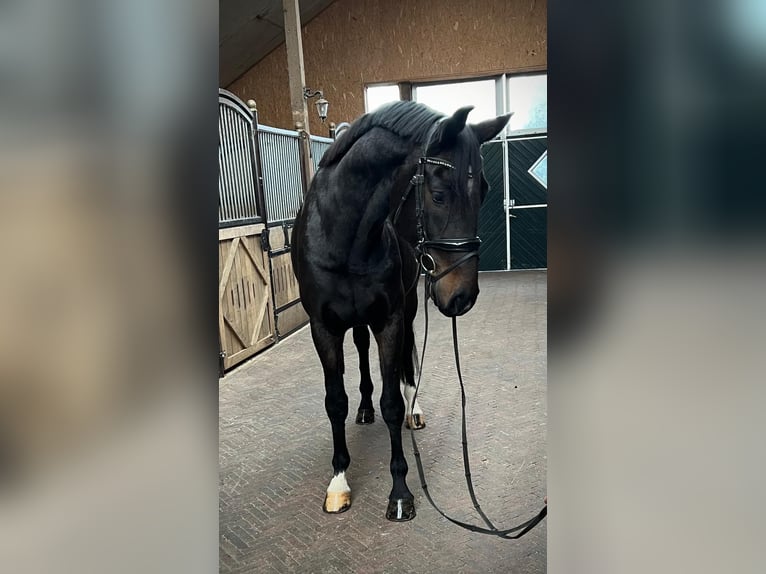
452, 126
488, 129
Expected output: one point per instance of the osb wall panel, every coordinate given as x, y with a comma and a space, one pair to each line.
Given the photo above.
358, 42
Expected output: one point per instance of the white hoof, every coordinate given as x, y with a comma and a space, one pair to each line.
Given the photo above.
338, 497
414, 418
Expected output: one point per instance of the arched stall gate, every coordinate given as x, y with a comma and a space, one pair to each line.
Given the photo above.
259, 192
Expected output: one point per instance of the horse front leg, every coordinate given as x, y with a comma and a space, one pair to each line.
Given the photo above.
329, 347
366, 413
401, 503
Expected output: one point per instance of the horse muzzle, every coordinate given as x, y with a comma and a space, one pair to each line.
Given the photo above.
459, 304
455, 303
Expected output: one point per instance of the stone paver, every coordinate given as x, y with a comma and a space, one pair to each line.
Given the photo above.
275, 450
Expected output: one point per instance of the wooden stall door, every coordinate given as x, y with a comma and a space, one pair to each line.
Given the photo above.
245, 308
289, 312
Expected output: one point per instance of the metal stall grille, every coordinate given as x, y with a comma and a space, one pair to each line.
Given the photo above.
237, 189
280, 158
281, 163
319, 146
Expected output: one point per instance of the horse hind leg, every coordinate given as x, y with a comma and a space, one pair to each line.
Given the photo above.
366, 413
414, 418
330, 350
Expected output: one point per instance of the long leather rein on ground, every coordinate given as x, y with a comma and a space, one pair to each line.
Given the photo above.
491, 529
470, 246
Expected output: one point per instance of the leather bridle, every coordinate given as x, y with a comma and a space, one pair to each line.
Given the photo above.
467, 245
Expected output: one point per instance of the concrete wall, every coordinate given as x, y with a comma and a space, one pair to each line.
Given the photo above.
358, 42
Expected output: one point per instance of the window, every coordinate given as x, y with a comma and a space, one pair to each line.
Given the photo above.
446, 98
528, 100
376, 96
524, 95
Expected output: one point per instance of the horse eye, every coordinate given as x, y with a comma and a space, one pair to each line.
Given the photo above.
438, 197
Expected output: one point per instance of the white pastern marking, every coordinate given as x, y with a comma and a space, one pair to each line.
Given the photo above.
339, 484
408, 391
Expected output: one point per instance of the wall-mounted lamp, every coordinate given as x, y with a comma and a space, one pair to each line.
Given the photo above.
321, 103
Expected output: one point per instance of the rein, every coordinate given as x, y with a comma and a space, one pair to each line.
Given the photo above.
470, 246
491, 529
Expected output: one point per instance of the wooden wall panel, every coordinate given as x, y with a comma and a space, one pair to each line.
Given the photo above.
357, 42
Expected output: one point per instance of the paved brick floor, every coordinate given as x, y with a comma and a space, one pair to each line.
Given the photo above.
275, 451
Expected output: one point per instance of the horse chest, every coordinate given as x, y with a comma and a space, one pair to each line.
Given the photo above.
357, 302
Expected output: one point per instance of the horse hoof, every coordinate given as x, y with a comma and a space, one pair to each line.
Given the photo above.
416, 421
365, 416
337, 502
401, 509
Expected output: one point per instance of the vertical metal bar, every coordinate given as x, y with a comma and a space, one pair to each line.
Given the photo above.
277, 170
245, 167
277, 177
221, 170
298, 187
229, 164
227, 158
507, 203
504, 105
500, 103
269, 175
296, 191
274, 177
223, 167
239, 176
250, 165
227, 167
287, 205
221, 191
264, 158
245, 182
253, 146
221, 213
258, 165
281, 168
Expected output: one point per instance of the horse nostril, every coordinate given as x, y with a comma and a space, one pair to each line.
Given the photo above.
460, 303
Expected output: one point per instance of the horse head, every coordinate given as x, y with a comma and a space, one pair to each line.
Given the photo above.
452, 188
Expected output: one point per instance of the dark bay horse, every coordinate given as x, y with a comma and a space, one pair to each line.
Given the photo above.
357, 269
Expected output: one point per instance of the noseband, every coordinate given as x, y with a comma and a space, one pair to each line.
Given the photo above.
468, 245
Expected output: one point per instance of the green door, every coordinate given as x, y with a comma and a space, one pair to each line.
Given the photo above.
492, 227
528, 206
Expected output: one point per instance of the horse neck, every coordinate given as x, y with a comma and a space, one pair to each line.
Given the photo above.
377, 173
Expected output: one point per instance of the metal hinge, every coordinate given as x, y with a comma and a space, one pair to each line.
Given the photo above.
221, 358
265, 245
509, 204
